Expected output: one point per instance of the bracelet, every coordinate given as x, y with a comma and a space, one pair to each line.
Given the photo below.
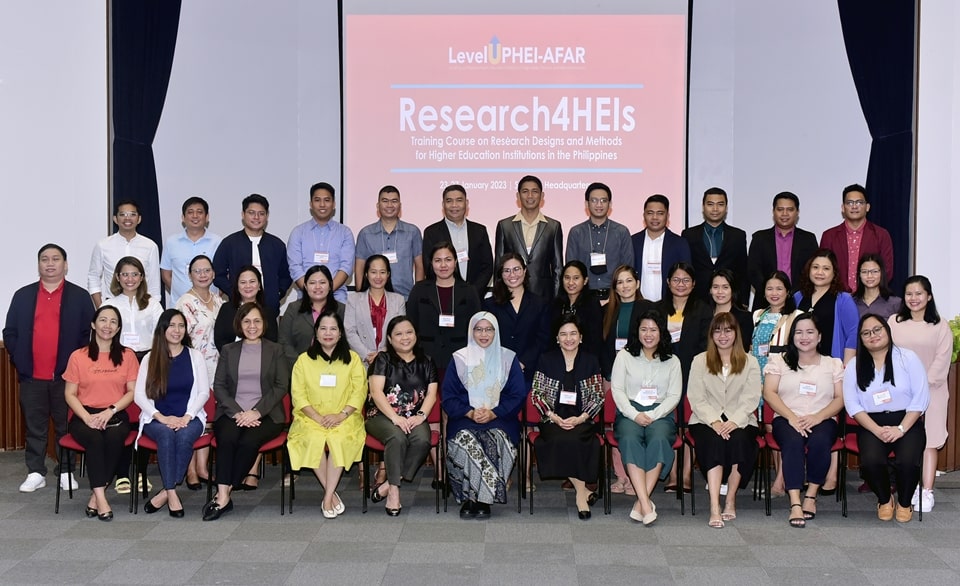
345, 412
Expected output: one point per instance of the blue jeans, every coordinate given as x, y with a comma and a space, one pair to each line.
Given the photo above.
174, 449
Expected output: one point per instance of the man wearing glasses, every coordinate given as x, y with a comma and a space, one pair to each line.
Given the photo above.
599, 242
125, 242
857, 236
254, 246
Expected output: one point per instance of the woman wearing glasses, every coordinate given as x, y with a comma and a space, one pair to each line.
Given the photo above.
872, 294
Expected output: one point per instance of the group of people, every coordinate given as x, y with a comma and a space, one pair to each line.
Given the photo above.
656, 319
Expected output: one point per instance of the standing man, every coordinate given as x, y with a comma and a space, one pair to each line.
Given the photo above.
46, 322
474, 255
784, 247
321, 240
656, 249
536, 238
395, 239
124, 242
180, 248
254, 246
716, 245
857, 236
599, 242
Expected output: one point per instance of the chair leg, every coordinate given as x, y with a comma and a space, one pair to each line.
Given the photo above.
365, 471
210, 457
56, 506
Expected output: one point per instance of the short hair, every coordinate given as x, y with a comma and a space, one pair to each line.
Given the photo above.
582, 269
48, 246
501, 293
526, 178
116, 288
125, 202
657, 198
445, 245
322, 185
194, 260
454, 187
791, 356
787, 195
806, 285
243, 312
855, 187
789, 303
664, 347
235, 297
306, 305
194, 200
597, 185
417, 347
256, 198
714, 191
387, 189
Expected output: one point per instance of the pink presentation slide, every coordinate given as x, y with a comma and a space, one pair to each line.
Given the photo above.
482, 100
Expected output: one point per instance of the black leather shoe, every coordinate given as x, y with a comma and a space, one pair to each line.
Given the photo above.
108, 516
149, 508
468, 509
176, 514
213, 511
483, 511
437, 485
375, 495
393, 512
583, 515
90, 512
592, 500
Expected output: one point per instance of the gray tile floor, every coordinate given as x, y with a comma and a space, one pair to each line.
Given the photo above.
254, 544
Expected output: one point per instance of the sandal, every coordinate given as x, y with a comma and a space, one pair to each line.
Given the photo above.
808, 515
797, 522
617, 487
629, 490
122, 486
716, 521
670, 488
245, 486
728, 516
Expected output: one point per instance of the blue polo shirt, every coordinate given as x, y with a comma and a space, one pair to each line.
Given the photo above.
405, 241
310, 243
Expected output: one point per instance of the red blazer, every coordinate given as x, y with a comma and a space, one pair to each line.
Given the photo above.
876, 240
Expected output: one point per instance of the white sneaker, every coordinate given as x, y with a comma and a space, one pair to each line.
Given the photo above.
926, 500
68, 482
915, 501
34, 481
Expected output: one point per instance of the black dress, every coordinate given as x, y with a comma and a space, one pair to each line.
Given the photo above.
573, 453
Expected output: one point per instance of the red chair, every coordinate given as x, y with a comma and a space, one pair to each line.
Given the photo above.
144, 445
68, 444
372, 444
278, 443
773, 446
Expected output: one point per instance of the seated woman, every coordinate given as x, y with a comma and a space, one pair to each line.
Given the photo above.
724, 392
885, 390
247, 288
99, 386
371, 308
171, 392
482, 397
403, 390
252, 378
328, 389
568, 393
805, 390
646, 386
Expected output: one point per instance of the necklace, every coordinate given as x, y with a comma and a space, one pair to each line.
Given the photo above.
205, 301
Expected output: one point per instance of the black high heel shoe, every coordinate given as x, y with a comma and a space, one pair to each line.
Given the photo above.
375, 495
90, 512
592, 500
108, 516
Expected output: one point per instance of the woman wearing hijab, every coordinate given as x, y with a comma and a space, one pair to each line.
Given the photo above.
482, 402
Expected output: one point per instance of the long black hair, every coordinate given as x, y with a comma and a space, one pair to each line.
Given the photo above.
341, 351
865, 370
930, 313
364, 283
116, 348
501, 293
791, 356
664, 347
885, 291
789, 304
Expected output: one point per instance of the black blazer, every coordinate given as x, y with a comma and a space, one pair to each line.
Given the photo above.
733, 256
697, 316
274, 380
546, 255
480, 265
762, 260
76, 314
423, 309
675, 249
223, 333
525, 332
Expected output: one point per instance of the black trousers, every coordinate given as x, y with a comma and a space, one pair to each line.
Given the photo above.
907, 455
104, 448
41, 401
237, 447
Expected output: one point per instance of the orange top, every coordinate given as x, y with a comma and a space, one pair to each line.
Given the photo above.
100, 383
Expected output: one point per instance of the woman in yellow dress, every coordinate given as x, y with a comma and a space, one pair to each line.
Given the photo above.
328, 388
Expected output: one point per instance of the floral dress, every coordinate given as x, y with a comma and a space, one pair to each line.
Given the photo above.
200, 324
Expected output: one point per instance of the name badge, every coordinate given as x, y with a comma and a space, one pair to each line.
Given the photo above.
321, 257
568, 397
675, 336
647, 396
882, 398
462, 256
446, 321
328, 380
130, 339
653, 268
809, 390
391, 256
763, 349
620, 344
597, 259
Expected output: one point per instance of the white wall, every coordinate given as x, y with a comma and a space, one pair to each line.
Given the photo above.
938, 152
53, 135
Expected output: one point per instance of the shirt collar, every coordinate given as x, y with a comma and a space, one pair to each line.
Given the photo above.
540, 218
711, 230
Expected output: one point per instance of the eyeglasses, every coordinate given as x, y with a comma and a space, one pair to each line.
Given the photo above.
204, 271
479, 330
598, 201
129, 275
256, 213
855, 203
681, 280
127, 214
871, 333
512, 270
723, 331
869, 271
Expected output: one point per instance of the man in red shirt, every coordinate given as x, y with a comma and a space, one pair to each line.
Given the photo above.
857, 236
46, 322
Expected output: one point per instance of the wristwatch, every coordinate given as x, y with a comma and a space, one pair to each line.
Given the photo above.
421, 414
900, 427
113, 408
